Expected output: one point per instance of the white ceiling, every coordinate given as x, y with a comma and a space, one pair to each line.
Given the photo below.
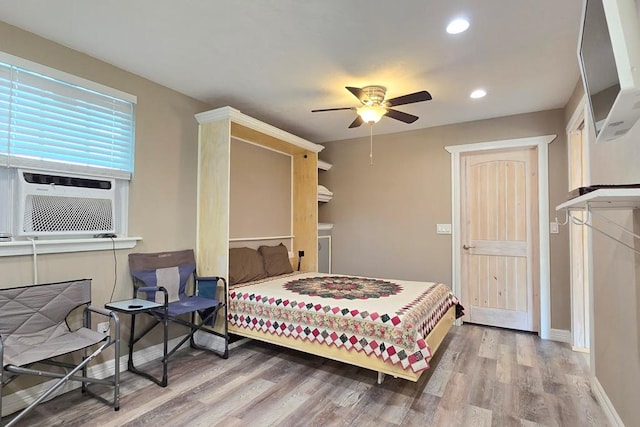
276, 60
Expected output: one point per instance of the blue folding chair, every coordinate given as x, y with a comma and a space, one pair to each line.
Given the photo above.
164, 277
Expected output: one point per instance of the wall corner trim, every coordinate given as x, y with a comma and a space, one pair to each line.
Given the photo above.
606, 405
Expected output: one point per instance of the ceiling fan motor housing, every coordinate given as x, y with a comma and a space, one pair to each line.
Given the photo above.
375, 94
374, 106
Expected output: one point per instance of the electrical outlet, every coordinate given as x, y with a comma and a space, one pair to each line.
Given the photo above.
300, 254
103, 327
553, 227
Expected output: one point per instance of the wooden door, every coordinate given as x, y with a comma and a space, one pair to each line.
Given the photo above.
499, 237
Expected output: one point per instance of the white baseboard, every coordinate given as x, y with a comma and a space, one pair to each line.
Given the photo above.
238, 343
23, 398
560, 335
214, 342
605, 403
210, 341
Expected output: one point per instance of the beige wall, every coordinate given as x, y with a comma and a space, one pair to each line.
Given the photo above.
385, 215
616, 282
162, 193
260, 192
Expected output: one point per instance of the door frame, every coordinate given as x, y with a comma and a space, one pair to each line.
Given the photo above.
541, 143
581, 319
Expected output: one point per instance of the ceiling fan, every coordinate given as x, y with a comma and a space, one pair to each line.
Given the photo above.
374, 106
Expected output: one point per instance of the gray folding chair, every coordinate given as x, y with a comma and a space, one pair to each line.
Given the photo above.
163, 277
34, 328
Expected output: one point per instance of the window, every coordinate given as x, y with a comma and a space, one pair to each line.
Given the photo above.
62, 128
53, 120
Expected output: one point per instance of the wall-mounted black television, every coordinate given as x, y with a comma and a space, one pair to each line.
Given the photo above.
609, 56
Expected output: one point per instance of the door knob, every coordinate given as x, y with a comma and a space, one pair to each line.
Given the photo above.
466, 247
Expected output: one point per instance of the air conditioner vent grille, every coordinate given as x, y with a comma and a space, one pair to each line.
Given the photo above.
67, 181
51, 214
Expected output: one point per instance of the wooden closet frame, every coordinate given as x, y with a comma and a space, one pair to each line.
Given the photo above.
216, 129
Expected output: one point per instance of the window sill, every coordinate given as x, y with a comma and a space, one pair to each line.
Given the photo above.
25, 247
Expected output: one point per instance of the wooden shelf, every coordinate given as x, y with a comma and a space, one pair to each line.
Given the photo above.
325, 166
325, 226
605, 198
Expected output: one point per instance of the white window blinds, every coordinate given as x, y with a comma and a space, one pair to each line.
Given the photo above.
63, 124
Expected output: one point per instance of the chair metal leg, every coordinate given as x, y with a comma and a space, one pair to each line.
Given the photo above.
116, 367
165, 356
133, 340
1, 372
225, 335
84, 378
87, 324
56, 386
193, 328
132, 329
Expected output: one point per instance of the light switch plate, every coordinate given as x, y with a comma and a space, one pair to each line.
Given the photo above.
443, 228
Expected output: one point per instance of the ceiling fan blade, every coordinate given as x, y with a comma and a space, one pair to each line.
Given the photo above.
357, 122
399, 115
333, 109
358, 93
408, 99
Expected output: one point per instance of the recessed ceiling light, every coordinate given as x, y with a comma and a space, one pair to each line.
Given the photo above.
457, 26
478, 93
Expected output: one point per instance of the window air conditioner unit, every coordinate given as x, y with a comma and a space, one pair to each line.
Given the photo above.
67, 205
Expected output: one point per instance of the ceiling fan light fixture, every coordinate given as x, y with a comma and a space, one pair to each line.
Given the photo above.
371, 113
374, 105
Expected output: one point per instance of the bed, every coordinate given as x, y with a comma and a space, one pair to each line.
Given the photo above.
390, 326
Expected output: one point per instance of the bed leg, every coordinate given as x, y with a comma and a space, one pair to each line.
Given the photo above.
380, 377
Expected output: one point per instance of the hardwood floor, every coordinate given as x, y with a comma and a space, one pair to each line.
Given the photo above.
481, 376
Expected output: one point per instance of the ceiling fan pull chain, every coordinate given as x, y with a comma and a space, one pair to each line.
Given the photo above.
371, 144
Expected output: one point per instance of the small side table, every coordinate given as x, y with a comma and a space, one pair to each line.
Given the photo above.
135, 306
132, 306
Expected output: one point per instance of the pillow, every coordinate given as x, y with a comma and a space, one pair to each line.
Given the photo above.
245, 265
276, 259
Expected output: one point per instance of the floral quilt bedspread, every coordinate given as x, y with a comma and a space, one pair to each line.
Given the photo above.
387, 318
